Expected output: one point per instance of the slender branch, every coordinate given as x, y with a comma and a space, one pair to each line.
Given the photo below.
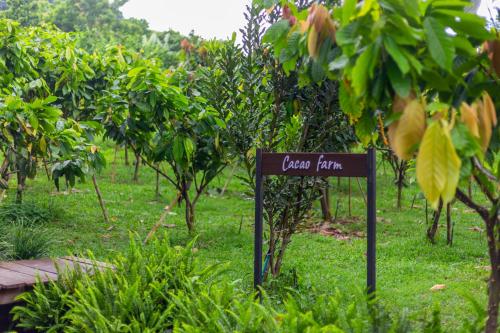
485, 171
152, 166
471, 204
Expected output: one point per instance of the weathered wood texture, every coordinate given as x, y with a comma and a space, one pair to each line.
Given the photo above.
17, 277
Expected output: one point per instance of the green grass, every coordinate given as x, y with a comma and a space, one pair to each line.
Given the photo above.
408, 265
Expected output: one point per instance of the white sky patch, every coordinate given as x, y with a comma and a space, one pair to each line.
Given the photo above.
212, 18
208, 18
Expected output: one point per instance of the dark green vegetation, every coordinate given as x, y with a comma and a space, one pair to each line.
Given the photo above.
182, 296
408, 265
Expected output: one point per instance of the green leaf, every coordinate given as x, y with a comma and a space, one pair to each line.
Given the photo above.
189, 147
276, 31
363, 69
178, 149
317, 71
400, 59
339, 63
348, 9
399, 82
460, 21
440, 43
347, 103
50, 99
134, 71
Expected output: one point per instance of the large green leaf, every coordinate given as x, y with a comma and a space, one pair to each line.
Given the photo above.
363, 69
178, 149
441, 45
399, 82
393, 49
348, 9
276, 31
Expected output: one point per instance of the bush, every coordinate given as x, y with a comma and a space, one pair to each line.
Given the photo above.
25, 240
160, 288
134, 297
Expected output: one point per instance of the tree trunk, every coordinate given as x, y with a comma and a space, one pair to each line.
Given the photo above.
400, 194
157, 188
492, 222
279, 259
46, 168
400, 181
136, 170
101, 201
127, 163
492, 227
21, 181
449, 227
325, 204
190, 218
113, 167
431, 231
190, 221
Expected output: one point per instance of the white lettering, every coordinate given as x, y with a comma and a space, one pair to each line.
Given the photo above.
295, 165
285, 161
327, 165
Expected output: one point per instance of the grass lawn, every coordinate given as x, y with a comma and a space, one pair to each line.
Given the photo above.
408, 265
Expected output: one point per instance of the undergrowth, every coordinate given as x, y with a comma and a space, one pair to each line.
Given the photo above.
163, 288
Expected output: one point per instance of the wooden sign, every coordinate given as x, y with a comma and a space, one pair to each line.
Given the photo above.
317, 165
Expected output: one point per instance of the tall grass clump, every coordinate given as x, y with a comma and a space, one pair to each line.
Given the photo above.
36, 213
25, 240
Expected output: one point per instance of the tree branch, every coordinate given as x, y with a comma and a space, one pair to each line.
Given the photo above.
471, 204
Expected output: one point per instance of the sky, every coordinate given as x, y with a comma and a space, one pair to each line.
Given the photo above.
208, 18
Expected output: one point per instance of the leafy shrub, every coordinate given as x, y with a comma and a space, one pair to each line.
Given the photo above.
24, 240
27, 211
160, 288
134, 297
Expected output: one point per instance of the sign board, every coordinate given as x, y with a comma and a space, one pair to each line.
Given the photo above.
317, 165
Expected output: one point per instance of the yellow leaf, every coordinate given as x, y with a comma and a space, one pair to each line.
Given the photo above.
489, 108
93, 149
409, 131
43, 145
322, 27
438, 287
468, 115
453, 164
485, 125
430, 173
312, 42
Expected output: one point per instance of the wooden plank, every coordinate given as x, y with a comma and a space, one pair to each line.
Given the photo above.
315, 164
12, 280
45, 265
19, 276
9, 296
88, 262
15, 267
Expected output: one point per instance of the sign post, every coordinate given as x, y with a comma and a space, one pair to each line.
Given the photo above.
317, 165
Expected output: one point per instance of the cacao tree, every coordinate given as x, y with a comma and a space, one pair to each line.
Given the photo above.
416, 64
